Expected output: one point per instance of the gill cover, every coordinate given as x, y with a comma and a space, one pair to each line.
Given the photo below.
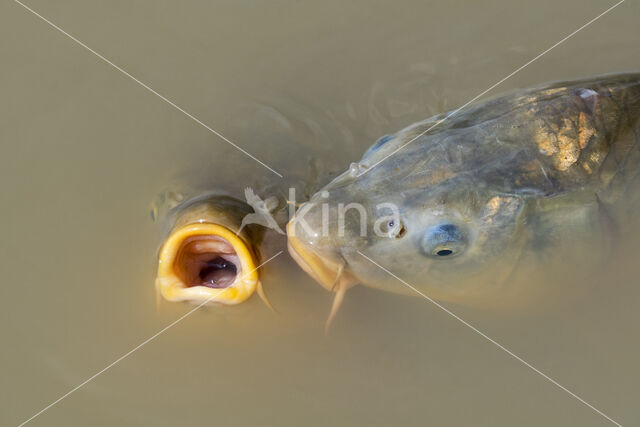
208, 256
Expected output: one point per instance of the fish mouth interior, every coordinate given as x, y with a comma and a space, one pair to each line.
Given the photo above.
207, 260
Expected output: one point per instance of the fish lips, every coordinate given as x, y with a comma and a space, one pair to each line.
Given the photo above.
328, 272
203, 238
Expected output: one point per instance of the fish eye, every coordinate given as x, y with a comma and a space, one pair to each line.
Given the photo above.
443, 241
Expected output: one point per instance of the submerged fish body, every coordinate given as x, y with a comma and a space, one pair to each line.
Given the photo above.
475, 189
208, 256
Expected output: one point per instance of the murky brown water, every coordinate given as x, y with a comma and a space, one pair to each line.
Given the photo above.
85, 149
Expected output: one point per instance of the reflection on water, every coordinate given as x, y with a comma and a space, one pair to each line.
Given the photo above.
305, 88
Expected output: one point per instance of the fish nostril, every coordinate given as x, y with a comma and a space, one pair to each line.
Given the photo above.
396, 229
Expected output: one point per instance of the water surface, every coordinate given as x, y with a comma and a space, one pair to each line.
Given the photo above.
85, 149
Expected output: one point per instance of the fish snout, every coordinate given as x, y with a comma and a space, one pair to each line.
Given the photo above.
315, 250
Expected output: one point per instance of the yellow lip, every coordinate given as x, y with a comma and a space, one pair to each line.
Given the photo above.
173, 287
322, 270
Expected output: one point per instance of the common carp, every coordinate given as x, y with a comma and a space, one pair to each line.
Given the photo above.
209, 254
448, 202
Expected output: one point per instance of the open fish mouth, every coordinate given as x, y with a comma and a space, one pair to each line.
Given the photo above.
327, 272
206, 262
